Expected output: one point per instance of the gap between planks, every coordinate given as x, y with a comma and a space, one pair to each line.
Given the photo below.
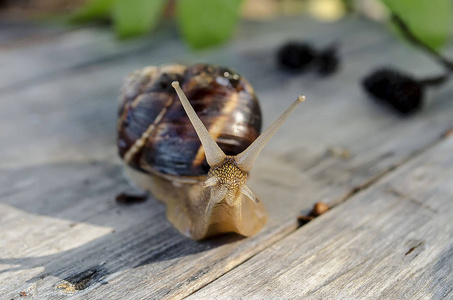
391, 168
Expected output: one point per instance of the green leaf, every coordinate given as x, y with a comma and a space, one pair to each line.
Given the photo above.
429, 20
134, 17
205, 23
93, 10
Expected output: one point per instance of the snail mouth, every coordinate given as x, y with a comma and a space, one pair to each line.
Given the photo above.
227, 181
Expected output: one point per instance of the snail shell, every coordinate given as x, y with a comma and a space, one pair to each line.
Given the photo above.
154, 133
199, 175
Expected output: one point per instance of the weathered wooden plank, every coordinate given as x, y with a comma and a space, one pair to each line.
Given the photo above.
392, 241
59, 218
17, 33
45, 60
49, 58
88, 91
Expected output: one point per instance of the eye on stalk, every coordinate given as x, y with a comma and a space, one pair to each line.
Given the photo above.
214, 155
246, 159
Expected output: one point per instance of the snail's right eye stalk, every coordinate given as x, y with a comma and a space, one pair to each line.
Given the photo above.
246, 159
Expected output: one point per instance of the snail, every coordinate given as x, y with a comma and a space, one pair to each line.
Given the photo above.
195, 156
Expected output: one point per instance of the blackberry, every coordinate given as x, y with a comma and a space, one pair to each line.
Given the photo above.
295, 56
327, 61
399, 90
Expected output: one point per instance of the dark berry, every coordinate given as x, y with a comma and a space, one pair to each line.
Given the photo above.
399, 90
327, 61
295, 56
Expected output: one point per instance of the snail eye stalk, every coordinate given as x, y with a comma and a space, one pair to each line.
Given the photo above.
246, 159
214, 155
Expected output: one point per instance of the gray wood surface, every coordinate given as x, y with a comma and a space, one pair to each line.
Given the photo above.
59, 172
15, 34
392, 241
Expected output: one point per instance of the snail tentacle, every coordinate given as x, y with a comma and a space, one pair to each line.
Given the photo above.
211, 181
228, 174
214, 155
246, 159
248, 192
218, 193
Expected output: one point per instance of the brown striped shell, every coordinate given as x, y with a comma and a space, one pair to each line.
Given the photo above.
154, 133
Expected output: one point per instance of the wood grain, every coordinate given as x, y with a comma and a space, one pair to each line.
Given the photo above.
42, 56
59, 173
14, 34
392, 241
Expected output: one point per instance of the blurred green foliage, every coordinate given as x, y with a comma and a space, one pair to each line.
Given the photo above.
429, 20
204, 23
136, 17
94, 10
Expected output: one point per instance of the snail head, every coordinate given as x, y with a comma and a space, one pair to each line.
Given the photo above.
228, 174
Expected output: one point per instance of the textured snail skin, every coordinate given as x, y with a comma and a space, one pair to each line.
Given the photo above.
163, 154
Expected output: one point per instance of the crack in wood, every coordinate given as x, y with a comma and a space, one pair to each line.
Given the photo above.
391, 168
80, 281
402, 196
415, 247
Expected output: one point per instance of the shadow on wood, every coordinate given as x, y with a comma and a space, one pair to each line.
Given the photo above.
76, 208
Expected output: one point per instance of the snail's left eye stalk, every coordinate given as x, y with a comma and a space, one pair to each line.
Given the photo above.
214, 155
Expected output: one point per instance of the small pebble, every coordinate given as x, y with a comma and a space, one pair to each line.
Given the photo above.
319, 208
128, 199
302, 220
448, 133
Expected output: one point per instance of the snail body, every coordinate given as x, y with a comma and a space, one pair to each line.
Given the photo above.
200, 175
